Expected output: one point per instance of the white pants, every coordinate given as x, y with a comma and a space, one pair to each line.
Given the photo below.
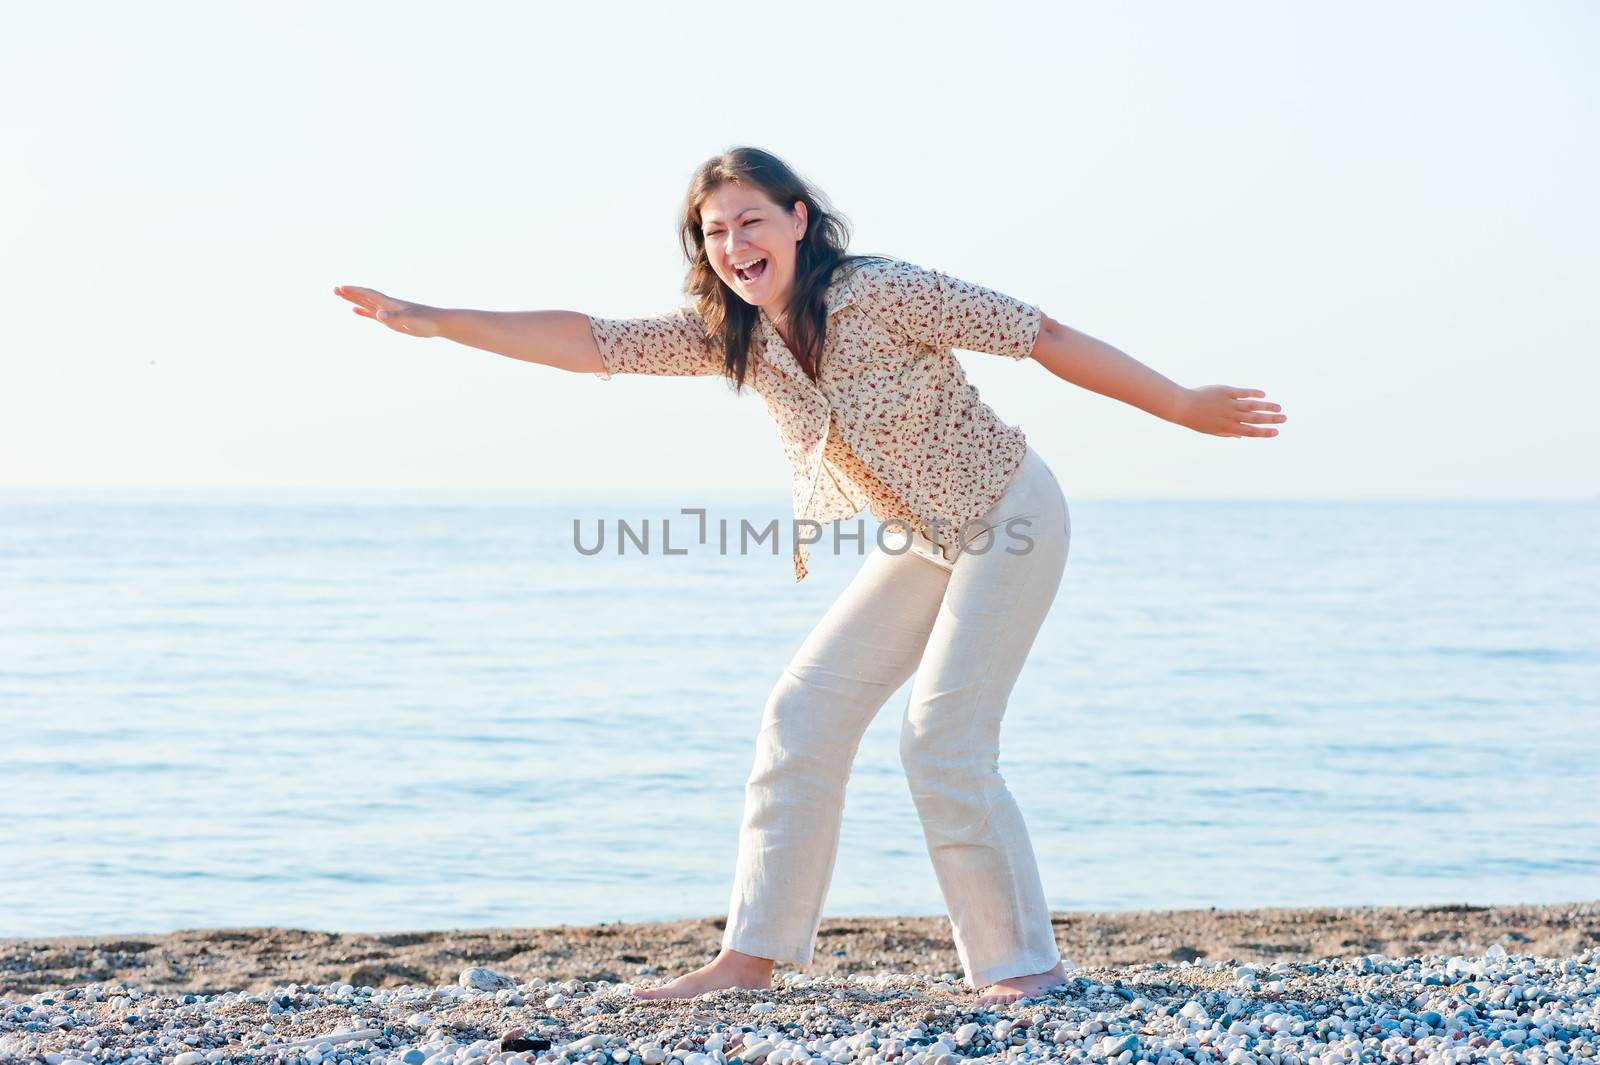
963, 620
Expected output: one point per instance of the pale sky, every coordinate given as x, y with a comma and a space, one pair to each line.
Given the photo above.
1384, 215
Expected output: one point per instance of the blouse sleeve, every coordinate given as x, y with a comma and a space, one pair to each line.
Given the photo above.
944, 312
665, 345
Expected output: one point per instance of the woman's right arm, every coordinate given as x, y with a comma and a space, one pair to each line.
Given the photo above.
673, 344
552, 338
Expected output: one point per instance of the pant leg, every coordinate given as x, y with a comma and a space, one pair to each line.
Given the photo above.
860, 653
949, 745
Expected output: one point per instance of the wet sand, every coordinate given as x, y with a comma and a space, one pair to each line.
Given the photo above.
216, 960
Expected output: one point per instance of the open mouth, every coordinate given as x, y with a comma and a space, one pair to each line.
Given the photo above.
752, 273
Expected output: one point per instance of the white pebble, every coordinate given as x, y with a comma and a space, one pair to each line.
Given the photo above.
479, 978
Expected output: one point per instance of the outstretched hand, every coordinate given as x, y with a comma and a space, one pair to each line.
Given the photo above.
1222, 410
412, 319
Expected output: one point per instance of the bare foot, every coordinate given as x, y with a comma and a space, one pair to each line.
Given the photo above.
728, 969
1014, 987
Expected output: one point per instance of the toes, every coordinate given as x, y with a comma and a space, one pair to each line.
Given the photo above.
999, 999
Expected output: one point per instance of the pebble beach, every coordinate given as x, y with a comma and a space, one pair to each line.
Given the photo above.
1408, 984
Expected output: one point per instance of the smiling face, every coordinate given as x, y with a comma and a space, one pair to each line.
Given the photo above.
751, 244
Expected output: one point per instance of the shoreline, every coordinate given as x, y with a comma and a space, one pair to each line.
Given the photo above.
260, 959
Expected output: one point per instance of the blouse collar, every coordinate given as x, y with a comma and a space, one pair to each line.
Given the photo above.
836, 296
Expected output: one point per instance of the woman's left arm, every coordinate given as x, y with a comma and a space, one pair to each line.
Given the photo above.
1220, 410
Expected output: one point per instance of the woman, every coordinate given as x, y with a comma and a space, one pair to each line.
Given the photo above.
853, 357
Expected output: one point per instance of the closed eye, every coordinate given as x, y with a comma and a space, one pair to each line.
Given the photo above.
718, 232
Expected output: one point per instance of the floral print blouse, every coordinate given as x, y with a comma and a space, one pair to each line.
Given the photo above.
892, 422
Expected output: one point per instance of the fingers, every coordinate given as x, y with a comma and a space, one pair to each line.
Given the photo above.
1242, 430
1257, 412
369, 309
1247, 412
366, 297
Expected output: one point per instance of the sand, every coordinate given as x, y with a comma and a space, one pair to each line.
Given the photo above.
215, 960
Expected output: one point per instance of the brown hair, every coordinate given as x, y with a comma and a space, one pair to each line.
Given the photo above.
730, 322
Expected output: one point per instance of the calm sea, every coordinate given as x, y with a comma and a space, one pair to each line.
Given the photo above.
413, 716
